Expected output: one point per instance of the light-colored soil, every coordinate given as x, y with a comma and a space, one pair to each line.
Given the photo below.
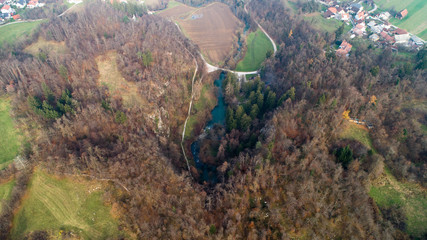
213, 28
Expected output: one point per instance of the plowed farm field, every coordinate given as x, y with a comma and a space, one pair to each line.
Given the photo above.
213, 28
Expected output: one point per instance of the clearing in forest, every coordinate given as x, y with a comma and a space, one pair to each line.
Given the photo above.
47, 47
415, 22
410, 198
10, 138
5, 191
357, 132
258, 45
12, 32
109, 75
72, 204
213, 28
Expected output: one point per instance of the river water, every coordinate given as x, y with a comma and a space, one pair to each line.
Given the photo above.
208, 172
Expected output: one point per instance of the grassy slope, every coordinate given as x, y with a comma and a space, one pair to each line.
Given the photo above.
415, 22
5, 191
321, 23
207, 100
257, 46
9, 137
358, 133
388, 192
54, 204
10, 33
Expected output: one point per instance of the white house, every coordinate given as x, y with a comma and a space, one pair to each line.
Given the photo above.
7, 9
374, 37
384, 16
21, 4
401, 36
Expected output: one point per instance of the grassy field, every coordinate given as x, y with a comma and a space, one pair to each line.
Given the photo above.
213, 28
258, 45
415, 22
357, 132
10, 139
70, 204
11, 32
49, 47
323, 24
5, 191
388, 192
110, 75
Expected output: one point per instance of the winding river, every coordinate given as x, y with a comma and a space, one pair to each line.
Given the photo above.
218, 117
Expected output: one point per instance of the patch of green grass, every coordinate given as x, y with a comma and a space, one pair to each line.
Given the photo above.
69, 204
358, 133
415, 22
388, 192
12, 32
205, 102
9, 137
258, 45
323, 24
5, 191
172, 4
424, 128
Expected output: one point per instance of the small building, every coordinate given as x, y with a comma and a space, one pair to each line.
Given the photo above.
343, 16
328, 14
333, 10
356, 7
402, 14
387, 25
417, 41
21, 4
374, 37
32, 4
16, 17
344, 49
384, 16
340, 10
360, 15
387, 38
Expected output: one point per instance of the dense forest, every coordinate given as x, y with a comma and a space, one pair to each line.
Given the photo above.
283, 172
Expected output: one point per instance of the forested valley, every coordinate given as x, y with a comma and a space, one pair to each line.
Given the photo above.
283, 170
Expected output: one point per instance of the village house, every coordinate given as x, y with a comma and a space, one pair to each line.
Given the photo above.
328, 14
21, 4
384, 16
387, 38
417, 41
374, 37
360, 15
360, 29
343, 16
402, 14
344, 49
7, 9
16, 17
5, 16
355, 7
401, 36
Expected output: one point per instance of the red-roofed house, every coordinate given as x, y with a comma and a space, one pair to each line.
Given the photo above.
32, 4
6, 9
333, 10
389, 39
360, 15
16, 17
328, 14
344, 49
402, 14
